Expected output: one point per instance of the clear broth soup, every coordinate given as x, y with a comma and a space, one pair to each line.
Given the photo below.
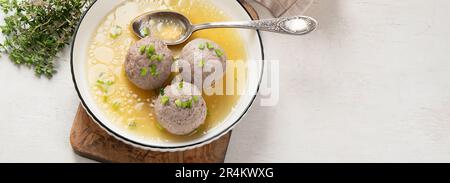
131, 108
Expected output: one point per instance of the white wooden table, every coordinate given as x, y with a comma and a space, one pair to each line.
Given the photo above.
371, 85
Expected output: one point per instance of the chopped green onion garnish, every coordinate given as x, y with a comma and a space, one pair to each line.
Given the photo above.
201, 63
151, 49
195, 98
178, 103
116, 106
142, 49
144, 71
209, 45
159, 127
180, 85
104, 86
149, 56
109, 83
201, 46
184, 105
153, 57
100, 82
105, 98
161, 91
164, 100
219, 52
115, 32
154, 71
159, 58
187, 104
132, 124
145, 32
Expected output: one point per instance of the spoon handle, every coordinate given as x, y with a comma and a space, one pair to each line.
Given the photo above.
297, 25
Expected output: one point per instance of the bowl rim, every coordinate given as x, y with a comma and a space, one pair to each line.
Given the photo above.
155, 147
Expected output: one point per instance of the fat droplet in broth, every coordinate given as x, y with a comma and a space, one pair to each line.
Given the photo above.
104, 54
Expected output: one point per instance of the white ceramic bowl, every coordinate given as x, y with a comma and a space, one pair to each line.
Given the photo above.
90, 21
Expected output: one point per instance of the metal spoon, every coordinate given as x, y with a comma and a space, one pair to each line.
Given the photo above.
297, 25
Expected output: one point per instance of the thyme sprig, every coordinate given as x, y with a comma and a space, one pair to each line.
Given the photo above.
36, 31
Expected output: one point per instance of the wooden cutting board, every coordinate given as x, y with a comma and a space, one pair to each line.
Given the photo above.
90, 141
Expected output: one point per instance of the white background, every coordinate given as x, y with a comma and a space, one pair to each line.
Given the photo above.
372, 84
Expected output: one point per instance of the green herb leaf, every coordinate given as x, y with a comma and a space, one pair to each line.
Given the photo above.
154, 70
201, 46
180, 85
201, 63
109, 83
151, 49
153, 57
187, 104
100, 82
104, 85
36, 31
145, 31
159, 58
178, 103
159, 126
132, 124
115, 32
195, 98
116, 106
164, 100
209, 45
144, 71
184, 105
142, 49
219, 52
105, 98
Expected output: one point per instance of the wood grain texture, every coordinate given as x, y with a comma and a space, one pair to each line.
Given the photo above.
90, 141
249, 9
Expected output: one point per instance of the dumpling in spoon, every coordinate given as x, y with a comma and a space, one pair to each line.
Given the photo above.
148, 63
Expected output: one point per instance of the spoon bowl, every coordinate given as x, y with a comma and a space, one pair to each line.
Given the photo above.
148, 20
174, 28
